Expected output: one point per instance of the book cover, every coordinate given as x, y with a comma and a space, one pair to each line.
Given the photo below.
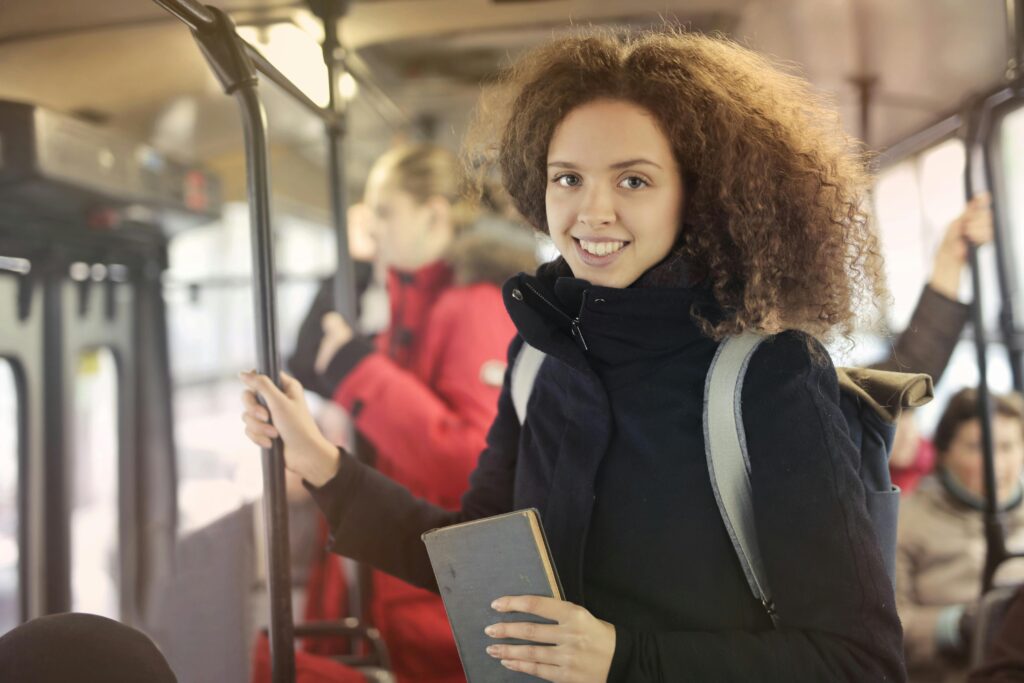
480, 561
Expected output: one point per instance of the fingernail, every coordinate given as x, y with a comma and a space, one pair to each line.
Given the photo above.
498, 604
492, 650
490, 630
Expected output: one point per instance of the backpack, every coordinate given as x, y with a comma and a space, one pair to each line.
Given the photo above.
870, 400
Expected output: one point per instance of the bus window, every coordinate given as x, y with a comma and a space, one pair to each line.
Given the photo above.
94, 486
901, 231
9, 499
210, 310
1011, 138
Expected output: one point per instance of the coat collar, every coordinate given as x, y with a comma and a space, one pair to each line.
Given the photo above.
603, 327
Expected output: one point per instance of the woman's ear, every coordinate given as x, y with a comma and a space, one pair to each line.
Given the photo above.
440, 213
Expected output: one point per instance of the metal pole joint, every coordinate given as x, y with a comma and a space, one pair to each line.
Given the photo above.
226, 53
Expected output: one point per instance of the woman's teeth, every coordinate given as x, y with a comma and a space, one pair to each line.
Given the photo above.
601, 248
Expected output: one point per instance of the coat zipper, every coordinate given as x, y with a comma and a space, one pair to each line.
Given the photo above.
574, 323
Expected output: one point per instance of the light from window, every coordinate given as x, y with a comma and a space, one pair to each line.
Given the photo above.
1012, 156
9, 498
95, 566
901, 232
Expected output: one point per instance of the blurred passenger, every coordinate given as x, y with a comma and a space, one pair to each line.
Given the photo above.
933, 333
693, 192
423, 393
941, 552
1004, 663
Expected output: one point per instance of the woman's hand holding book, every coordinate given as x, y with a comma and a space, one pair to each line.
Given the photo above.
577, 648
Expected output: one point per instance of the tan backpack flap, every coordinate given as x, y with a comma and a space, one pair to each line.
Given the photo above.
888, 393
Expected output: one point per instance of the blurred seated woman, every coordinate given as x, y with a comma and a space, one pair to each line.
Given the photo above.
941, 553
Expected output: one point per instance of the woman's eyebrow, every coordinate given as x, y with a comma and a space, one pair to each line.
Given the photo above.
616, 165
633, 162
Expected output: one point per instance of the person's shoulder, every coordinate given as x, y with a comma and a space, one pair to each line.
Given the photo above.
792, 355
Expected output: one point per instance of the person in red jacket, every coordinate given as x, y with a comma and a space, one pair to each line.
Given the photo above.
422, 393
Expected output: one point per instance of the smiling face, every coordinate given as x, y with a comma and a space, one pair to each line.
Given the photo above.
614, 197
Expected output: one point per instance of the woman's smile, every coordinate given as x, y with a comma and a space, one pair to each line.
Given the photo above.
599, 252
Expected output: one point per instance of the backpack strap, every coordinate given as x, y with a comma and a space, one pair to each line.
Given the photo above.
524, 374
725, 446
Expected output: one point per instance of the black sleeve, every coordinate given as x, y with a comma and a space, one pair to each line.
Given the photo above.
378, 521
834, 601
930, 338
300, 364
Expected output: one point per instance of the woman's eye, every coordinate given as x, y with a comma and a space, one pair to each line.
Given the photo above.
568, 180
633, 183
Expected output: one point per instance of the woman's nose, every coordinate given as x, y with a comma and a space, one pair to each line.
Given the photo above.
597, 209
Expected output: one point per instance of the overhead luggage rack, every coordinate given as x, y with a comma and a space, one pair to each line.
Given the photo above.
58, 166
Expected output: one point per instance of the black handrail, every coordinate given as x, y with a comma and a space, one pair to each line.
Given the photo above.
945, 126
229, 60
197, 17
1005, 271
995, 538
978, 159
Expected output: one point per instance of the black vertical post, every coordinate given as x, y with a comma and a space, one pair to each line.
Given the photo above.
229, 61
57, 492
995, 544
330, 12
275, 504
1014, 38
1005, 273
343, 288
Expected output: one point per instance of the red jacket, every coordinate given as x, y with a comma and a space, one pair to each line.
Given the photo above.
424, 394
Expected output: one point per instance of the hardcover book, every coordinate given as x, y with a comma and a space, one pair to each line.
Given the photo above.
480, 561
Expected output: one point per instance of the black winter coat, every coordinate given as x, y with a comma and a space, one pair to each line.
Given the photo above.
612, 455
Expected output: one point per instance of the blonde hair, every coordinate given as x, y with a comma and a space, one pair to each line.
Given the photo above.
424, 171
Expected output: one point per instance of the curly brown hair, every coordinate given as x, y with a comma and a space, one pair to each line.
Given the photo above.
774, 221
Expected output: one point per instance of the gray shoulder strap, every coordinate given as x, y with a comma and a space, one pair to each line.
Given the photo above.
524, 374
725, 445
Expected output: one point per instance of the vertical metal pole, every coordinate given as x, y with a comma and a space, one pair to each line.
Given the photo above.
344, 279
1014, 38
275, 507
1005, 273
229, 61
330, 13
995, 544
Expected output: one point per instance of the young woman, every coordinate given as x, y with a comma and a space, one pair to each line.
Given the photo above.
941, 549
693, 192
424, 392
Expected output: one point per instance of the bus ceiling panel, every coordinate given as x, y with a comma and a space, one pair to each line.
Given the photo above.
918, 59
922, 57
